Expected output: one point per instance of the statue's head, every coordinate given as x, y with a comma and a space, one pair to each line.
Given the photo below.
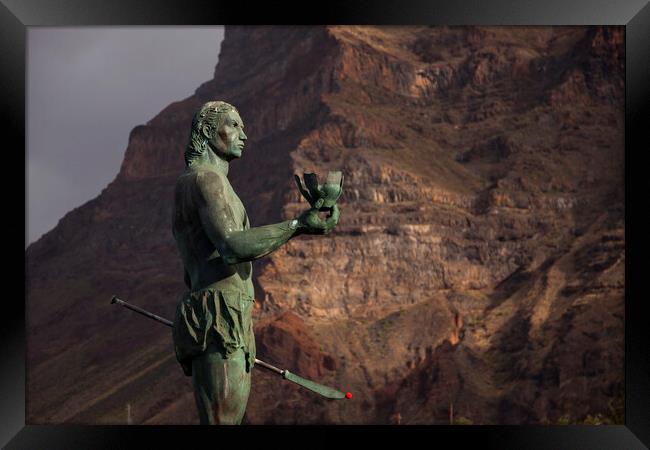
217, 127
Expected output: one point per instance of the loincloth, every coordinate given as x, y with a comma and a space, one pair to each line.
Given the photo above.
216, 318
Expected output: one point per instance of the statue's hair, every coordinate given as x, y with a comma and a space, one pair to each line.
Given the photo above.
212, 114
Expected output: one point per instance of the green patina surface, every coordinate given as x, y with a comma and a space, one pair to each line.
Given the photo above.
325, 391
213, 330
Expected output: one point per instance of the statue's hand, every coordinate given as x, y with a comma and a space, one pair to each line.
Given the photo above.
311, 223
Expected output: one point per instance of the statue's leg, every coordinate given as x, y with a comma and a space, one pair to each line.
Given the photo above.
221, 387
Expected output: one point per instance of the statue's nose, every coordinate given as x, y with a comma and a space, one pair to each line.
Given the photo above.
242, 135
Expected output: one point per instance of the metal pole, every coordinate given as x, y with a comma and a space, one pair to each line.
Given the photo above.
141, 311
169, 323
315, 387
269, 366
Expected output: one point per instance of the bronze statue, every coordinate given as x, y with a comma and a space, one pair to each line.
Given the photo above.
213, 330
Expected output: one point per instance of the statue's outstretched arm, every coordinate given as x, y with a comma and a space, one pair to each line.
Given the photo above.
236, 245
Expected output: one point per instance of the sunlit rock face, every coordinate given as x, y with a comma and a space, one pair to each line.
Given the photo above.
477, 273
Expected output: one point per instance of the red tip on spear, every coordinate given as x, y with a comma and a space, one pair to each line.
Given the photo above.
348, 395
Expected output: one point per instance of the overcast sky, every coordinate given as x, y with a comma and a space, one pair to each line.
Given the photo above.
87, 87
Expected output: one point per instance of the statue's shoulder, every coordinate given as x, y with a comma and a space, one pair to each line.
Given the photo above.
208, 183
200, 175
186, 181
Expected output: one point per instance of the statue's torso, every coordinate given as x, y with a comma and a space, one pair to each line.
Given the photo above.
203, 264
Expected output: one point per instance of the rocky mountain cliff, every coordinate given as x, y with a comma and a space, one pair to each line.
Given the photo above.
477, 273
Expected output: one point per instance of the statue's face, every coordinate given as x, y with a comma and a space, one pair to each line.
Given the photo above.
228, 140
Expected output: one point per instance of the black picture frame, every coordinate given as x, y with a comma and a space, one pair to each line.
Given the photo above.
17, 15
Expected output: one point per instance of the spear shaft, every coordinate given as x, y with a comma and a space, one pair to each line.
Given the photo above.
141, 311
312, 386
